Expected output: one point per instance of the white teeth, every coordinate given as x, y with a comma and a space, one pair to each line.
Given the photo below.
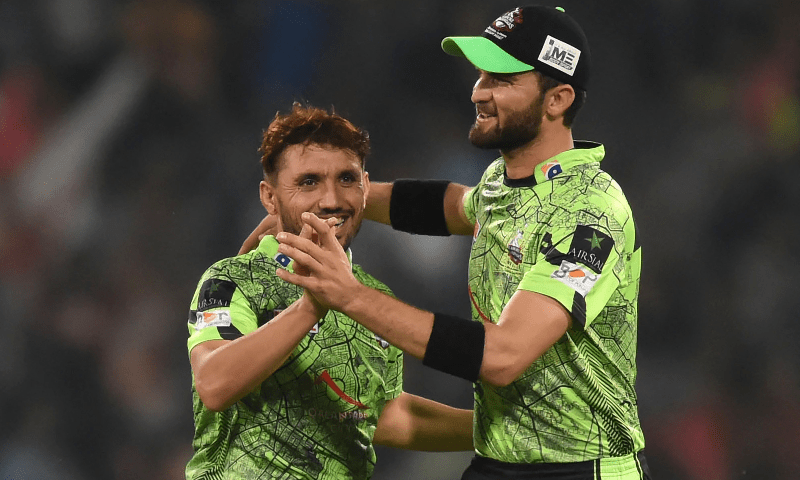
339, 223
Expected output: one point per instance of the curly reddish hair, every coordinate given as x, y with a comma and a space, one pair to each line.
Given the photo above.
306, 125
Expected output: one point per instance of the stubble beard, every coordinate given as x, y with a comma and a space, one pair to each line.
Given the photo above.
521, 128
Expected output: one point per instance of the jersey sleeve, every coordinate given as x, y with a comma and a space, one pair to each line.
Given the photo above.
470, 201
219, 311
579, 261
394, 373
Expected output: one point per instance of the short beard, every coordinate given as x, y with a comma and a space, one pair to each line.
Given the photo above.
521, 127
290, 226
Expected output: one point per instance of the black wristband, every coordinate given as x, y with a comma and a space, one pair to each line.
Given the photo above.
455, 346
417, 206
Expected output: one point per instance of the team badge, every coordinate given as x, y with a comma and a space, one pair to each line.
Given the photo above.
504, 23
507, 21
551, 169
514, 250
383, 343
314, 330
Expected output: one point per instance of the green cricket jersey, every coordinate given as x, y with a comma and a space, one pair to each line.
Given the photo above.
314, 418
566, 232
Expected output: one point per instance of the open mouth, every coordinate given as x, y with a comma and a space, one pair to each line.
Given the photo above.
483, 116
339, 220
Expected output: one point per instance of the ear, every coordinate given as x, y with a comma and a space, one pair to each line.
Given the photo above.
558, 100
366, 187
267, 194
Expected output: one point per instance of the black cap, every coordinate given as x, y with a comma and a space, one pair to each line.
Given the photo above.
535, 37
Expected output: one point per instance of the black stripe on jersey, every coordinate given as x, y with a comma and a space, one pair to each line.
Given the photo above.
597, 470
637, 244
579, 309
229, 333
192, 316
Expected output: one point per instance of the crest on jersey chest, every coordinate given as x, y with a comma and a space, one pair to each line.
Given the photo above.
514, 249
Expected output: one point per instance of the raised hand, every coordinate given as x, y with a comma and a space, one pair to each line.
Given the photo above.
321, 267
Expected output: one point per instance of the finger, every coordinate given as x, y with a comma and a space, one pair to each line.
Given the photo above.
301, 258
300, 243
308, 233
293, 278
323, 228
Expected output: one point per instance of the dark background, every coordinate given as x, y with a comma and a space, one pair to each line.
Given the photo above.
128, 164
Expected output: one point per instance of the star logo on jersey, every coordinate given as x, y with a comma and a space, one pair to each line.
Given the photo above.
594, 241
590, 247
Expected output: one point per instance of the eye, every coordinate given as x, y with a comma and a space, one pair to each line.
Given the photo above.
348, 178
308, 182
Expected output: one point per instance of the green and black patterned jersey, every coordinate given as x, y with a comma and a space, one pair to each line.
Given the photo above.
566, 232
314, 418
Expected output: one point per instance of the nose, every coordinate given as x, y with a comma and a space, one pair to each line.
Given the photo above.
480, 91
330, 198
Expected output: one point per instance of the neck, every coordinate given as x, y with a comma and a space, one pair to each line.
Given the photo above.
521, 161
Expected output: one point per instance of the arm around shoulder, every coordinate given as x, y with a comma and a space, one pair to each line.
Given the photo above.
425, 207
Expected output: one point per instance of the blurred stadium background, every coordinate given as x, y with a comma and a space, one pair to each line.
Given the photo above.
128, 164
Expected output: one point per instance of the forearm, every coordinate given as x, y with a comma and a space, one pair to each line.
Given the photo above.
451, 206
417, 423
406, 327
226, 374
380, 194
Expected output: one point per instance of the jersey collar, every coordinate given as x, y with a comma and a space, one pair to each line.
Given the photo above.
269, 246
583, 152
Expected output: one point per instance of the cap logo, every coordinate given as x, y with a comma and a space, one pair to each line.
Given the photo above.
505, 23
560, 55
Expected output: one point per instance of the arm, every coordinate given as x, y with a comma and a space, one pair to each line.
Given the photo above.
416, 423
380, 196
267, 226
225, 371
529, 325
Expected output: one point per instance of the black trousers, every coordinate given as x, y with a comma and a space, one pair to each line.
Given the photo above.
483, 468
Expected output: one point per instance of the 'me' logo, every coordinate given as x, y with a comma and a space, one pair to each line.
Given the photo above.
560, 55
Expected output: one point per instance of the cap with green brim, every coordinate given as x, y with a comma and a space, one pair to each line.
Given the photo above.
535, 37
484, 54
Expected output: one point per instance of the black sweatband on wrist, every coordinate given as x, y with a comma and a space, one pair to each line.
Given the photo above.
417, 206
455, 346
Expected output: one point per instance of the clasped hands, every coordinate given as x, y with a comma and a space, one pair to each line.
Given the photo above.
321, 265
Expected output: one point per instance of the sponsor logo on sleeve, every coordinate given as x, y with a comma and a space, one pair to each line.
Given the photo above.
560, 55
576, 277
215, 293
218, 318
590, 247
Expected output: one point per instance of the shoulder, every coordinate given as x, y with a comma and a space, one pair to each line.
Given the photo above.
370, 281
248, 272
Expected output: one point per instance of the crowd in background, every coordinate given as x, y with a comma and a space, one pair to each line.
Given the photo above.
128, 164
